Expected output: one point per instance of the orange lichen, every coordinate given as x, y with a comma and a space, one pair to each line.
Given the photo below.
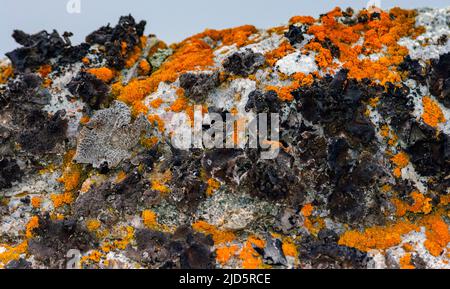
400, 160
61, 199
149, 219
219, 236
71, 178
377, 237
156, 103
378, 34
405, 262
149, 142
71, 175
179, 105
421, 204
156, 120
289, 248
408, 247
144, 67
85, 60
302, 19
133, 56
11, 253
444, 200
121, 244
93, 225
432, 113
33, 223
281, 51
160, 187
437, 233
224, 254
307, 210
213, 185
36, 202
237, 35
84, 119
95, 256
159, 180
5, 73
250, 258
190, 55
103, 73
45, 70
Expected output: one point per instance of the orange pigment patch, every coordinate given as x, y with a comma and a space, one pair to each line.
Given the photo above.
432, 113
421, 204
377, 237
156, 103
400, 160
224, 254
156, 120
307, 210
377, 34
144, 67
219, 236
238, 35
149, 219
302, 19
437, 233
33, 223
289, 248
93, 225
405, 262
191, 54
60, 200
36, 202
45, 70
213, 186
12, 252
281, 51
103, 73
250, 258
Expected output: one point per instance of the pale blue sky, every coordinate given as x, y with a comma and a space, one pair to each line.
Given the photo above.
171, 20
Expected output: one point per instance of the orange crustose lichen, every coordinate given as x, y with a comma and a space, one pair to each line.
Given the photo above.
93, 225
405, 262
103, 73
432, 113
250, 258
190, 55
36, 202
213, 185
33, 223
219, 236
149, 219
377, 237
378, 34
62, 199
421, 204
437, 233
5, 73
224, 254
400, 160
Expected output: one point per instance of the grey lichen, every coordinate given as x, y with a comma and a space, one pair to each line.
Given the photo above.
109, 136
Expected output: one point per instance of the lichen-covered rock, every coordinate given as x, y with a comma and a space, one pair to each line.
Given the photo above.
92, 162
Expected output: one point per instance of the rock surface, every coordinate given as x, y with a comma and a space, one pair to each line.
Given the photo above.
89, 161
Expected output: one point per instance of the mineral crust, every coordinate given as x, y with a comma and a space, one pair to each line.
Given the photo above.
89, 168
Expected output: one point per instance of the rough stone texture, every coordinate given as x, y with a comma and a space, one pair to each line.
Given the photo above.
89, 158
